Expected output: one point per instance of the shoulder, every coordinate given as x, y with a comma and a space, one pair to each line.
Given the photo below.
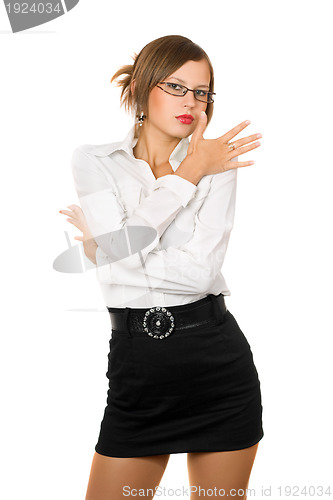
99, 149
80, 158
86, 155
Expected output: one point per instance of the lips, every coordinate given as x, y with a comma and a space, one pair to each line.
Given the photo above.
186, 119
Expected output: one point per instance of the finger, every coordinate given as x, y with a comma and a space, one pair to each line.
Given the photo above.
79, 238
247, 140
236, 164
234, 131
200, 128
245, 149
66, 212
74, 207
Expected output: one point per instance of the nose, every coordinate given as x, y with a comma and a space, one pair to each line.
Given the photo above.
189, 99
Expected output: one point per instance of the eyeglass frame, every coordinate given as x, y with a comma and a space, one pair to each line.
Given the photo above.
187, 89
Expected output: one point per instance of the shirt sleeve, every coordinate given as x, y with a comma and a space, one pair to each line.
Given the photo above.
117, 234
193, 266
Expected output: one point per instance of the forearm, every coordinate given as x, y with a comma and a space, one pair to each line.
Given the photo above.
192, 268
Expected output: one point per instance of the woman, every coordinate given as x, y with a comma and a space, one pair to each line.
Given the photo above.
157, 212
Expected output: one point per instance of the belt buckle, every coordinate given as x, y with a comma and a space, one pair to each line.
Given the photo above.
158, 322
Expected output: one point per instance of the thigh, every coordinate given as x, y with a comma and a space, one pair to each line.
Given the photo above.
227, 470
116, 478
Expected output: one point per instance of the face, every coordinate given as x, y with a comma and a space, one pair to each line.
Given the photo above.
163, 108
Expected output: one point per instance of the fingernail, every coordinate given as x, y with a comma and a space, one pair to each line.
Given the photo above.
247, 122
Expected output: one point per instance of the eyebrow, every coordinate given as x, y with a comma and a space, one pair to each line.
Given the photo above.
182, 81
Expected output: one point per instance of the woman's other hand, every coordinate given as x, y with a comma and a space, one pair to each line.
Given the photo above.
77, 218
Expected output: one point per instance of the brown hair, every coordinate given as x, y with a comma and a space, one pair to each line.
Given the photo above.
156, 61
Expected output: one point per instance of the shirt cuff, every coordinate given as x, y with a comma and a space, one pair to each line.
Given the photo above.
101, 257
184, 189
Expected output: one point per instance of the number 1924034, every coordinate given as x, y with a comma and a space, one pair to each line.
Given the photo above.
37, 8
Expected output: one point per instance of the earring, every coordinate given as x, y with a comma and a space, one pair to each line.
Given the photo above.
141, 118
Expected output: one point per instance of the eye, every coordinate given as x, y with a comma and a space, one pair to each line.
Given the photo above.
174, 86
201, 93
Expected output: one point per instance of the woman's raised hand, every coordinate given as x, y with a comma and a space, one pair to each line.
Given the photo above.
214, 155
77, 218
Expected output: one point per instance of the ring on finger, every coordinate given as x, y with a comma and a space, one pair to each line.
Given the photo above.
231, 146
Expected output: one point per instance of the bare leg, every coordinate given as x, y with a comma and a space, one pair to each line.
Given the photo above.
108, 476
227, 470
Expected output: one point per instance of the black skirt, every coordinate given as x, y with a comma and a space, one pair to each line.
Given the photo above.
196, 391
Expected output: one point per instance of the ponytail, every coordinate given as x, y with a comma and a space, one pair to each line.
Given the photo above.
126, 96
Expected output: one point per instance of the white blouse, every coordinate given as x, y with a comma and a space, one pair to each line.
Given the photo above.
160, 241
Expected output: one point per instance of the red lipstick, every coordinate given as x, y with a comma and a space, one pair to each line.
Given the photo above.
186, 119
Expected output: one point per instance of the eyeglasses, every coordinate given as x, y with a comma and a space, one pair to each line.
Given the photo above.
181, 90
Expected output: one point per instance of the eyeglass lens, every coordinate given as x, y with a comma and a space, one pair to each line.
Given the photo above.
181, 90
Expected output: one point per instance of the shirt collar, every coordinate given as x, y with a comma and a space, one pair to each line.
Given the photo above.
127, 145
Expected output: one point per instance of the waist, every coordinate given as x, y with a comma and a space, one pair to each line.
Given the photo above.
160, 322
120, 295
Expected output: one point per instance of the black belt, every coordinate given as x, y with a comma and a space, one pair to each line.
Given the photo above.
159, 322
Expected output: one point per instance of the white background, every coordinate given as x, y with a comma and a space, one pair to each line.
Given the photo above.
272, 65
